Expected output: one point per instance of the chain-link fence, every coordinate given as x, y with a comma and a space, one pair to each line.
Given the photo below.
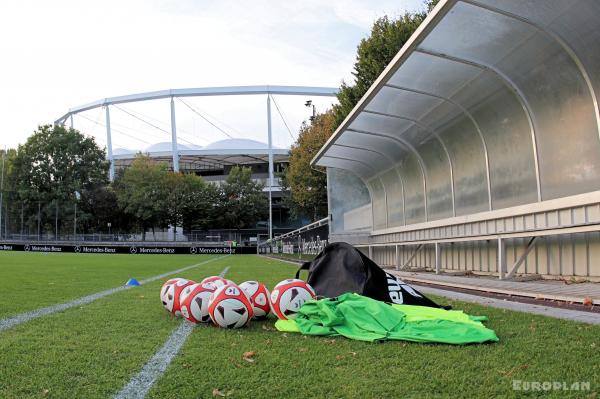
299, 245
70, 221
45, 221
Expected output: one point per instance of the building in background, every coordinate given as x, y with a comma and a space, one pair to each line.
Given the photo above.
214, 162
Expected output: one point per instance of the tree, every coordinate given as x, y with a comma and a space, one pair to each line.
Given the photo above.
373, 55
242, 201
201, 210
7, 194
48, 170
142, 194
190, 201
99, 204
56, 162
307, 186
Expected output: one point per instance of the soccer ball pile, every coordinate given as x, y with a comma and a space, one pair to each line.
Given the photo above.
230, 305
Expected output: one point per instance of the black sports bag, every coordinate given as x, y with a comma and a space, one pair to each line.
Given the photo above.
341, 268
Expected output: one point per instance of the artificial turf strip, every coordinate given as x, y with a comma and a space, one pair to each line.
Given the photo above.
94, 352
35, 280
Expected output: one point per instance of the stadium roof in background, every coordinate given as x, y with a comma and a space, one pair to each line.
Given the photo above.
231, 151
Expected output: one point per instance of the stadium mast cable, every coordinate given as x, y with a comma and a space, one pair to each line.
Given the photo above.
116, 130
149, 123
206, 119
282, 118
180, 130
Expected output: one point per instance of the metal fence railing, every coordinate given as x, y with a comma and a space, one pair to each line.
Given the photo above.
220, 237
299, 245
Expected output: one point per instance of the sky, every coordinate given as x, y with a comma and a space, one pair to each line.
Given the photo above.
59, 54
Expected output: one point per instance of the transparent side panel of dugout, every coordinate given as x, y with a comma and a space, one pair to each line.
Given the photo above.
349, 202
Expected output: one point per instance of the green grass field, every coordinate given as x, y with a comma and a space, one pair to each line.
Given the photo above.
94, 350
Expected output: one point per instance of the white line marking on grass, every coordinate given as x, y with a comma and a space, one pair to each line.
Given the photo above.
10, 322
139, 386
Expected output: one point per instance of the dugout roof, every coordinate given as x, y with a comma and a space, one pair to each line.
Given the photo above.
490, 104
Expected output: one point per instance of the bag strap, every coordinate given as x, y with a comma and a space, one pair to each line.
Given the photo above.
305, 266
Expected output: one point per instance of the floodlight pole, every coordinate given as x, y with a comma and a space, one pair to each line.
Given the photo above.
71, 117
75, 223
111, 172
2, 190
270, 166
174, 138
77, 196
39, 220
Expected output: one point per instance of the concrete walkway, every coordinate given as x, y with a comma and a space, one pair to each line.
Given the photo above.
567, 314
541, 289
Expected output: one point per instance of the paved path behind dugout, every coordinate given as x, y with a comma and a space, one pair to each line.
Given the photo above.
542, 289
553, 290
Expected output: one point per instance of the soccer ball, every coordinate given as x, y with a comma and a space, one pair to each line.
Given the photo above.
194, 302
230, 307
164, 291
259, 297
171, 293
288, 297
217, 281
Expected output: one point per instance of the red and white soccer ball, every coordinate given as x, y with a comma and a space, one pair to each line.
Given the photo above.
170, 294
288, 297
217, 281
194, 302
230, 307
165, 289
259, 297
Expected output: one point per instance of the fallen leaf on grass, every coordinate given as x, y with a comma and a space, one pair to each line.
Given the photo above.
266, 328
513, 370
45, 392
330, 341
284, 335
339, 357
352, 353
303, 350
593, 345
222, 393
249, 356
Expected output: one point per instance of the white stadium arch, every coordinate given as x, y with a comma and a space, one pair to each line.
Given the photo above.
234, 150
